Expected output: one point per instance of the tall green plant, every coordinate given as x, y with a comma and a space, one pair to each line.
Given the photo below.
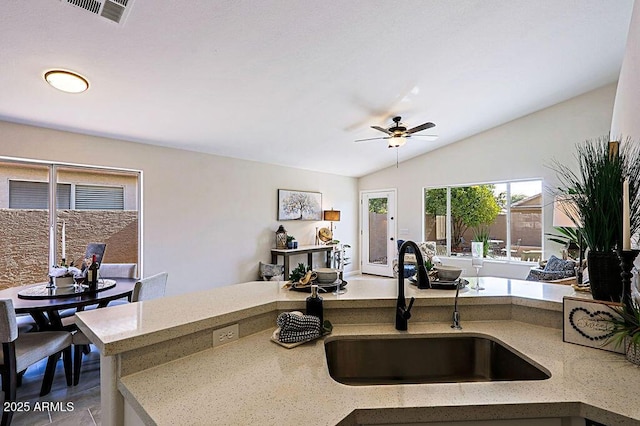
471, 206
565, 236
596, 189
481, 234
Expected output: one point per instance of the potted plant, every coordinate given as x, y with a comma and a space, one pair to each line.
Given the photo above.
568, 237
298, 272
626, 330
595, 190
481, 234
290, 239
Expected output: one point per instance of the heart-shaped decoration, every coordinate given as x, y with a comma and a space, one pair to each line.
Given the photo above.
591, 325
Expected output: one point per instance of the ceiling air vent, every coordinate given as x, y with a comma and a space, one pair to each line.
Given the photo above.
113, 10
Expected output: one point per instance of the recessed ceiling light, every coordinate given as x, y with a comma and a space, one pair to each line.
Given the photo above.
66, 81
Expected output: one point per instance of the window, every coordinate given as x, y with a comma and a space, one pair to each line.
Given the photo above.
506, 217
99, 198
35, 195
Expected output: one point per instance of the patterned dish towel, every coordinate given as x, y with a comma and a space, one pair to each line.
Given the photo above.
296, 327
298, 336
295, 321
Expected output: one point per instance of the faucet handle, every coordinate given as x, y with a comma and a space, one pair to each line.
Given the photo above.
405, 313
413, 299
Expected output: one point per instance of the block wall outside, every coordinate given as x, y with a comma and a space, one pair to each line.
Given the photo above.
378, 236
24, 240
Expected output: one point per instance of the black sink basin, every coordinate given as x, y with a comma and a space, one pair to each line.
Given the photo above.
391, 360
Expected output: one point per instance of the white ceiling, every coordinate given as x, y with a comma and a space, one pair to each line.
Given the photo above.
296, 82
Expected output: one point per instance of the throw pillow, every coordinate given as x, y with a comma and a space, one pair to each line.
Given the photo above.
538, 275
555, 264
270, 272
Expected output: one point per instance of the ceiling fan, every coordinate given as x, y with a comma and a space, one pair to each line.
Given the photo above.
398, 134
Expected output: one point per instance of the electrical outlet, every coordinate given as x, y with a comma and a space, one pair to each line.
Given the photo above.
225, 335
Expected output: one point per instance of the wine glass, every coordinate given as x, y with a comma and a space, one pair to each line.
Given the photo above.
340, 268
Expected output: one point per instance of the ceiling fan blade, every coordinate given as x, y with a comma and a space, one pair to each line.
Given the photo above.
421, 127
381, 129
424, 137
369, 139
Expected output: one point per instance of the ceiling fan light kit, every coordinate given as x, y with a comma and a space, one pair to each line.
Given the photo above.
396, 141
398, 134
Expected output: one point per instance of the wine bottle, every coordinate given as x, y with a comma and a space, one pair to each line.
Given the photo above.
314, 304
92, 274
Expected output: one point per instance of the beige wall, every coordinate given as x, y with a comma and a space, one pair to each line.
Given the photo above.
208, 220
521, 149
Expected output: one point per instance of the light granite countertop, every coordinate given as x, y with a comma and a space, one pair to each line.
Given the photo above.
129, 326
255, 381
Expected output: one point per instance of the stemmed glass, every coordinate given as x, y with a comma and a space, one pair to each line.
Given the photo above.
337, 258
476, 261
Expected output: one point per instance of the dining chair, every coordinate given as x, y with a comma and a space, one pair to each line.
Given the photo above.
144, 289
118, 270
19, 351
150, 288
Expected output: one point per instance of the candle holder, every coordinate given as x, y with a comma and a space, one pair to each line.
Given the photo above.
626, 264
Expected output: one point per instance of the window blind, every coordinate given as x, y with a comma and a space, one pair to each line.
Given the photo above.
92, 197
35, 195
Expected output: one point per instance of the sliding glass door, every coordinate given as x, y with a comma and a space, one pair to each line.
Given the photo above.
24, 223
101, 207
90, 205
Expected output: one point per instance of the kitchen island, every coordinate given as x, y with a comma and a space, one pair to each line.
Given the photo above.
159, 366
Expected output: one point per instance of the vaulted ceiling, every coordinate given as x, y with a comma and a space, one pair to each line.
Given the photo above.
296, 82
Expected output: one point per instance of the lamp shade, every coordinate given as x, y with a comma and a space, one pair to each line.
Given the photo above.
565, 212
332, 215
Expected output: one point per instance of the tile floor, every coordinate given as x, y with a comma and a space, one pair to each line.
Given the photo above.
85, 398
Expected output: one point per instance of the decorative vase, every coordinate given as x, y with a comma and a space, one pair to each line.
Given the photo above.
632, 351
604, 275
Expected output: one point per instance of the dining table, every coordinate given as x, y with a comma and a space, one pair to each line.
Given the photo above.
44, 302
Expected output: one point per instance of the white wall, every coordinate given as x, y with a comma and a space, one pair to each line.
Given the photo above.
626, 112
208, 220
520, 149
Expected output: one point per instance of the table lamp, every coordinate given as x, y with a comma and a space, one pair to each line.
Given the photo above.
332, 216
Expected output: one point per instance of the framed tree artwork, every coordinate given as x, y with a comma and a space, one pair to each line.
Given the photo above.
299, 205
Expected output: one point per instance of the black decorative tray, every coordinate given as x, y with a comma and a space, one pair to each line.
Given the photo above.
45, 291
322, 288
443, 285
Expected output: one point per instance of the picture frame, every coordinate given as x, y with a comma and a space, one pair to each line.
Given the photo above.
299, 205
586, 323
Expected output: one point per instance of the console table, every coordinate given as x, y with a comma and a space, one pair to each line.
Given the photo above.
309, 250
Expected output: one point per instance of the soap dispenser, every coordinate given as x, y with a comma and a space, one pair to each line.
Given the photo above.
314, 304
